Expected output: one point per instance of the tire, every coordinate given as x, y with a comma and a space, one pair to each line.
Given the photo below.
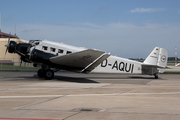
40, 73
49, 74
156, 76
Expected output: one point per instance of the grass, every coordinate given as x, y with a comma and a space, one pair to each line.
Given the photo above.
16, 68
171, 72
170, 64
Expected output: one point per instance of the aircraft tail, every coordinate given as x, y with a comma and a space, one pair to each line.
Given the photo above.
157, 58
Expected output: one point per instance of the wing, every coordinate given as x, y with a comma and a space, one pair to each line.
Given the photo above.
83, 61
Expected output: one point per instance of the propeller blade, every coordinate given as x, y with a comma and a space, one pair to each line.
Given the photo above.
9, 39
7, 46
6, 49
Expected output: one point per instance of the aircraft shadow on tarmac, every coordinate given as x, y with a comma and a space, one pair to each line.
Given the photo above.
93, 78
69, 79
140, 77
118, 80
74, 79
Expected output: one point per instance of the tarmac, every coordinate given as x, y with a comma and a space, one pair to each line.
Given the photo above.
74, 96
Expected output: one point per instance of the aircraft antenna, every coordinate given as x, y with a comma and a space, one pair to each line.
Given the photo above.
15, 30
175, 55
0, 21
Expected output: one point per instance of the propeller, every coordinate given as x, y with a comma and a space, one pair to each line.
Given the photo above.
7, 46
31, 53
20, 63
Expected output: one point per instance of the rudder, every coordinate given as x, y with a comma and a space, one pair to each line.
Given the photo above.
162, 59
158, 57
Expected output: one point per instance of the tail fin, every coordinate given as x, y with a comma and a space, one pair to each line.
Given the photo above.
158, 57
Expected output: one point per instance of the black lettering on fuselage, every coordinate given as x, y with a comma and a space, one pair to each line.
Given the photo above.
115, 65
132, 68
127, 70
121, 66
104, 63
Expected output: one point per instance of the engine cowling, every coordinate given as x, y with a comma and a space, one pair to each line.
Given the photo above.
37, 56
12, 46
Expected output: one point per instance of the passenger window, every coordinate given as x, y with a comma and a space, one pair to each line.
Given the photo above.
53, 49
68, 52
44, 47
60, 51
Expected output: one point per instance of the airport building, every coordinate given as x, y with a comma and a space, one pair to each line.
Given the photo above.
5, 57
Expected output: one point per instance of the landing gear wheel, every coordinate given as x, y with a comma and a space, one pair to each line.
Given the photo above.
40, 73
49, 74
156, 76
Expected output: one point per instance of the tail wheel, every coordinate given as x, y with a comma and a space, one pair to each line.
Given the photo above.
49, 74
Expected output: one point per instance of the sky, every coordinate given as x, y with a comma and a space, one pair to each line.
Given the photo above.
124, 28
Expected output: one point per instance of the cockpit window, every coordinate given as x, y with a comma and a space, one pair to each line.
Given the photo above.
34, 42
44, 47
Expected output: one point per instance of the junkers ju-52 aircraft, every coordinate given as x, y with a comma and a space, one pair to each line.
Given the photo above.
53, 56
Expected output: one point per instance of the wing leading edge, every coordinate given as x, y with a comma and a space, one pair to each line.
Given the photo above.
83, 61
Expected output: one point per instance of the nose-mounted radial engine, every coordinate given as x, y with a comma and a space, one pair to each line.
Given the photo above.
21, 49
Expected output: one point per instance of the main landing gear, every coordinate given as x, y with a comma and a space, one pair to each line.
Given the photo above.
47, 73
155, 76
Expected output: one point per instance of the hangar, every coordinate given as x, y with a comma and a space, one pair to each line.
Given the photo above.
5, 57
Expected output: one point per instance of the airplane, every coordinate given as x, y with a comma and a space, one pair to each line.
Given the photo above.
177, 65
54, 56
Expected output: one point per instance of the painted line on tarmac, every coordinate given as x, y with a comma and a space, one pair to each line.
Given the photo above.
166, 93
45, 96
79, 95
36, 96
26, 119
